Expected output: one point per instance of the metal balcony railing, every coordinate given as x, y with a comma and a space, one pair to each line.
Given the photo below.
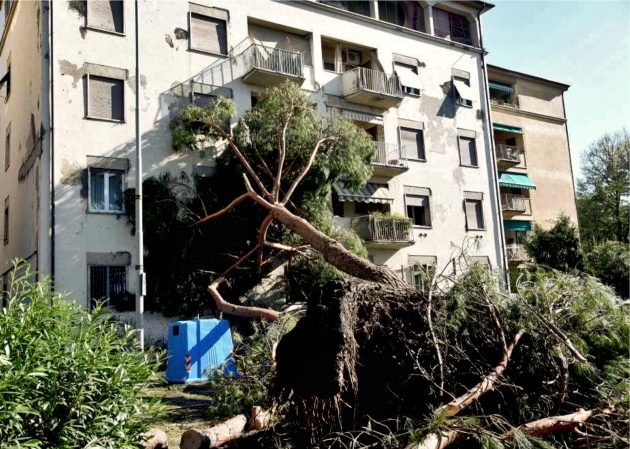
383, 229
283, 62
509, 153
374, 81
389, 154
516, 253
515, 203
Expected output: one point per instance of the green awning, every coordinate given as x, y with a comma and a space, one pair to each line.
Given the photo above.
501, 87
515, 225
507, 128
516, 181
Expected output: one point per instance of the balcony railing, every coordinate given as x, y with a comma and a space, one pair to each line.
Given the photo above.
508, 153
384, 229
516, 253
389, 154
272, 62
515, 203
371, 87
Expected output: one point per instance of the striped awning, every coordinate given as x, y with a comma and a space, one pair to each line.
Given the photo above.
516, 225
507, 128
369, 193
501, 87
516, 181
359, 116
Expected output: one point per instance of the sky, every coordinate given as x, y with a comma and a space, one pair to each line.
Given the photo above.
585, 44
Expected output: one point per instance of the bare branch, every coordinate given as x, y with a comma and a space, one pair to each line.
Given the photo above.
282, 142
552, 424
262, 236
486, 384
305, 170
227, 208
236, 310
564, 381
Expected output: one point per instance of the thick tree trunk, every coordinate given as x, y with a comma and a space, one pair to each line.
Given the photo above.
214, 436
334, 253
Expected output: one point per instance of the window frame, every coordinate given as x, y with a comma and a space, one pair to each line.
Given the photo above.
483, 218
109, 172
87, 102
6, 221
7, 148
424, 148
459, 150
105, 30
427, 213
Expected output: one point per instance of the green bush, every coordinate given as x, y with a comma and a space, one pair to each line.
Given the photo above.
610, 262
69, 378
558, 247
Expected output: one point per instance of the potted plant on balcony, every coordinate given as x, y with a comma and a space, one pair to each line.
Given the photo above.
393, 225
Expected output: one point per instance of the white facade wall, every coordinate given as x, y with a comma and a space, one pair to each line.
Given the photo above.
166, 61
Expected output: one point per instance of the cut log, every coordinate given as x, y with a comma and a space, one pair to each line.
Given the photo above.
214, 436
259, 419
155, 439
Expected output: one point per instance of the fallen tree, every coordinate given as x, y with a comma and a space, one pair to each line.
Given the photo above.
460, 363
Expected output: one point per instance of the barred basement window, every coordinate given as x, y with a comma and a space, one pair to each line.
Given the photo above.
106, 190
107, 283
106, 15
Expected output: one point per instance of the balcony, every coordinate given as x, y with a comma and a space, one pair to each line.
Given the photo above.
386, 232
508, 155
516, 253
371, 87
515, 204
267, 66
389, 159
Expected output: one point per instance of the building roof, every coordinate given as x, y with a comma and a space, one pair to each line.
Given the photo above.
563, 86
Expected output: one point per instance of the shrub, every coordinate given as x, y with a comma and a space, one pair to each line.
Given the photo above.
610, 262
69, 378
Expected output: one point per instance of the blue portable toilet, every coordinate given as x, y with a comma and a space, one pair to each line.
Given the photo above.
196, 347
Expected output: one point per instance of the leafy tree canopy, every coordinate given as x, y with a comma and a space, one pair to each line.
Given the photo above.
558, 247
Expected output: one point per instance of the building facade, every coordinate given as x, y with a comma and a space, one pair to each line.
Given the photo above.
410, 73
532, 153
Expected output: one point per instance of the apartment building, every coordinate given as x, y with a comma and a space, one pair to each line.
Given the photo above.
410, 73
532, 153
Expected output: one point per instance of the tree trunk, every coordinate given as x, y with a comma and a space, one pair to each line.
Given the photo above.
214, 436
155, 439
556, 423
334, 253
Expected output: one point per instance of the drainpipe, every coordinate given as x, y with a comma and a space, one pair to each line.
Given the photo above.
51, 142
495, 175
141, 286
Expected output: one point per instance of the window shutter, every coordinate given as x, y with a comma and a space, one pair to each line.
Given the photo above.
474, 214
415, 200
208, 34
441, 22
106, 15
106, 98
413, 143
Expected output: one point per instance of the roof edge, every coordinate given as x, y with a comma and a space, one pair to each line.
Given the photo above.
564, 86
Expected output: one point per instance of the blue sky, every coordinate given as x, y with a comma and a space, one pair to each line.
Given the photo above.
582, 43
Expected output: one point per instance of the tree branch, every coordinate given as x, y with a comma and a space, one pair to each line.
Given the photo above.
305, 170
262, 237
282, 141
233, 204
486, 384
552, 424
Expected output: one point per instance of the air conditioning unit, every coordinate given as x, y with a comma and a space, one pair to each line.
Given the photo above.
353, 58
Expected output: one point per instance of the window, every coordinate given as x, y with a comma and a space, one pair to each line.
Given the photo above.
7, 149
106, 15
502, 93
418, 209
420, 271
474, 213
412, 143
408, 75
208, 34
329, 56
6, 220
392, 12
108, 283
106, 190
106, 98
6, 80
451, 26
363, 208
358, 7
467, 151
463, 92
